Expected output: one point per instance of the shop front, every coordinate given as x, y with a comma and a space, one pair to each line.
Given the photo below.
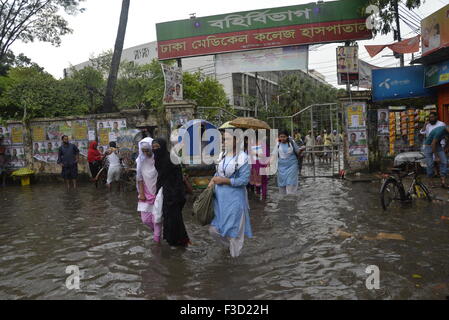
401, 107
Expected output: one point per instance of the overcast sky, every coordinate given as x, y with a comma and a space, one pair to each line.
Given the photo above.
95, 31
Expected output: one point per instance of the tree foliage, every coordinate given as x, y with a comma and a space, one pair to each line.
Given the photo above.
387, 13
298, 92
30, 20
30, 92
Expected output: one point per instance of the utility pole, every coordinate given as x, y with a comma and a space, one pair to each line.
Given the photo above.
398, 28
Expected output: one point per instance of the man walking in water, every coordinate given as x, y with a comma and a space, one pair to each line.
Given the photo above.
68, 157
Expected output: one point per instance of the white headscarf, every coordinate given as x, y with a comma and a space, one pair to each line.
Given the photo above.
145, 166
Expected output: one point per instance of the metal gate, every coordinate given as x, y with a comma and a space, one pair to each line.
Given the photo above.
322, 158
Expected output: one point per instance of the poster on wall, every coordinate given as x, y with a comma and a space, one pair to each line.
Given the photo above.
382, 122
38, 133
47, 138
173, 83
109, 130
356, 116
46, 151
6, 135
16, 156
79, 130
16, 134
82, 147
358, 145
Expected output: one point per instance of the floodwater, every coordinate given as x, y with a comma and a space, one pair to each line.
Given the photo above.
296, 252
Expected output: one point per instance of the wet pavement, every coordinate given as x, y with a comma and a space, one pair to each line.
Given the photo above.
297, 251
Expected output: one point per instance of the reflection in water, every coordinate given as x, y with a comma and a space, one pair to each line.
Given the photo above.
295, 252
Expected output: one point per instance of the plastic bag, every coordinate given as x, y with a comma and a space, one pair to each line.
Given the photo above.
157, 213
203, 207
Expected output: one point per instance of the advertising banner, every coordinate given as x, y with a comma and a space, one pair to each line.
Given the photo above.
436, 74
173, 83
399, 83
347, 65
435, 31
365, 74
333, 21
286, 58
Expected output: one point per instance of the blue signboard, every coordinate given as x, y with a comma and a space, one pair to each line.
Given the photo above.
437, 74
399, 83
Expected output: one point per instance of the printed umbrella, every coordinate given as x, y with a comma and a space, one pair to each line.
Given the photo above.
250, 123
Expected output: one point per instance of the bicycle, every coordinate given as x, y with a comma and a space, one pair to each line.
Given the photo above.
393, 190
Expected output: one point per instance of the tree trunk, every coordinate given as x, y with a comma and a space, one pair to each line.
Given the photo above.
108, 102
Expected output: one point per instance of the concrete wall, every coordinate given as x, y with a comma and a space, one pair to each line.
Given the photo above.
136, 121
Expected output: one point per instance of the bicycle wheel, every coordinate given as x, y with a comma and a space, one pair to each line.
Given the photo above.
422, 192
392, 194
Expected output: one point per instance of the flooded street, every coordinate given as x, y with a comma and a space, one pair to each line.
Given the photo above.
296, 252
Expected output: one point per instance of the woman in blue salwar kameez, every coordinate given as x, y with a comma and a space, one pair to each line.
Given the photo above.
288, 169
231, 222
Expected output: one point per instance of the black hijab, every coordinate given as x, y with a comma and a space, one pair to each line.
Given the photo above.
169, 174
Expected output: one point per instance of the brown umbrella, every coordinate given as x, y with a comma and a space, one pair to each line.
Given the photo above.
249, 123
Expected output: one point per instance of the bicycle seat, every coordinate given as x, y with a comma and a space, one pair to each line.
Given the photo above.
408, 157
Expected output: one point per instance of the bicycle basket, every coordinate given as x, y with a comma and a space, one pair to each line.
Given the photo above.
403, 159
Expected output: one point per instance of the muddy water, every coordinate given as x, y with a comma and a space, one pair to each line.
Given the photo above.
295, 253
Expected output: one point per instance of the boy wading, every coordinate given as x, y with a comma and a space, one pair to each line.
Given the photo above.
68, 157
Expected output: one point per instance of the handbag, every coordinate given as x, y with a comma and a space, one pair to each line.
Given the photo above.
158, 202
203, 208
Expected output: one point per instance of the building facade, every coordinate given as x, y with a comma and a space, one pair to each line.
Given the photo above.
243, 90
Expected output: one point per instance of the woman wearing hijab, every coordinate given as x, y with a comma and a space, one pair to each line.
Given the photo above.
288, 169
170, 178
231, 208
94, 158
146, 186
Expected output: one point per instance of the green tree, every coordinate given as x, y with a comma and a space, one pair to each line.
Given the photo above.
28, 21
28, 93
298, 92
387, 13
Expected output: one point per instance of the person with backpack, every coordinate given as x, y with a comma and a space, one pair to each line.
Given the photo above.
288, 168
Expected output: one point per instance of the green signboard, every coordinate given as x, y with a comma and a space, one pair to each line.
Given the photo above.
334, 21
260, 19
436, 74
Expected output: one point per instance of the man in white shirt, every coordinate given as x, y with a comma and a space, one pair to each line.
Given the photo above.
115, 166
431, 125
